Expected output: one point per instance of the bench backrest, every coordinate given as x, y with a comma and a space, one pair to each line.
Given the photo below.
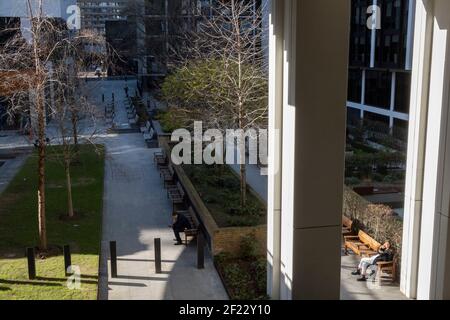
172, 172
180, 189
369, 241
346, 222
195, 222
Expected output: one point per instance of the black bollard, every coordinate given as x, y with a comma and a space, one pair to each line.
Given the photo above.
158, 255
113, 253
67, 259
200, 251
103, 97
31, 264
113, 96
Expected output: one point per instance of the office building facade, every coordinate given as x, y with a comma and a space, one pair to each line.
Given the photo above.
95, 13
380, 60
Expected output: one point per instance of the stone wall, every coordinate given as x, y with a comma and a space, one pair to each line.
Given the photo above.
229, 239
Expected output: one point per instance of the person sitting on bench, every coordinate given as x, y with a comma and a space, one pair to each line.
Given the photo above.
384, 254
180, 224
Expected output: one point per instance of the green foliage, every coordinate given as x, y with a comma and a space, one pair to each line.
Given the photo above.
245, 280
249, 247
219, 189
208, 88
170, 120
365, 164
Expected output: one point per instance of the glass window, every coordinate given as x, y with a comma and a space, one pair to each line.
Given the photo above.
402, 91
354, 85
378, 88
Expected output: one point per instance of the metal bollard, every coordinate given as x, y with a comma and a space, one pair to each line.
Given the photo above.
67, 259
31, 263
158, 255
113, 254
103, 97
200, 251
113, 96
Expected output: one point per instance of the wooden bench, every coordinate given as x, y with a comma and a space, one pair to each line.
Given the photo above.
135, 120
347, 226
146, 128
168, 175
160, 159
192, 217
159, 154
131, 111
362, 244
148, 131
176, 195
387, 270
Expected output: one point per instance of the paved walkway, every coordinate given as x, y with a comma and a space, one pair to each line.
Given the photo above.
136, 210
10, 168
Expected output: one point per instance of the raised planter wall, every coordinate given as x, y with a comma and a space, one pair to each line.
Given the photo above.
220, 240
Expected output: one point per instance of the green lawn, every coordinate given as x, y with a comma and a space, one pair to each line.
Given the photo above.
18, 227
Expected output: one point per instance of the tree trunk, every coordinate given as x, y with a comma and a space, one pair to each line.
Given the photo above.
41, 171
69, 189
74, 128
243, 178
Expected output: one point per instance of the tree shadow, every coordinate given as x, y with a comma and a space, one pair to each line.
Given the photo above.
64, 280
33, 283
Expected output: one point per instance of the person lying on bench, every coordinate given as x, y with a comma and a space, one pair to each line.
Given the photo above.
180, 224
384, 254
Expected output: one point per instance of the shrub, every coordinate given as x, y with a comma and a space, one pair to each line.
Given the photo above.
249, 247
379, 221
243, 221
352, 181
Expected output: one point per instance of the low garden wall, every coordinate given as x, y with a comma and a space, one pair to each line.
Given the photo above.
220, 239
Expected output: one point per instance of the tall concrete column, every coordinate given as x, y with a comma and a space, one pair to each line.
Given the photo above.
314, 94
426, 241
276, 63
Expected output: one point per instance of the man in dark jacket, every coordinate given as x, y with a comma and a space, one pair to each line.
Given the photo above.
180, 224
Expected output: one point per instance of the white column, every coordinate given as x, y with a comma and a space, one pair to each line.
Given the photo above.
392, 104
410, 35
416, 149
314, 93
434, 240
426, 249
276, 27
373, 39
363, 93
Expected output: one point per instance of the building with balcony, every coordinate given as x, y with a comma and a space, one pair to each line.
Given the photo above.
95, 13
380, 63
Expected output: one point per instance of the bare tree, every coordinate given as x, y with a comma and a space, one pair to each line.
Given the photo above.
31, 64
71, 103
223, 74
